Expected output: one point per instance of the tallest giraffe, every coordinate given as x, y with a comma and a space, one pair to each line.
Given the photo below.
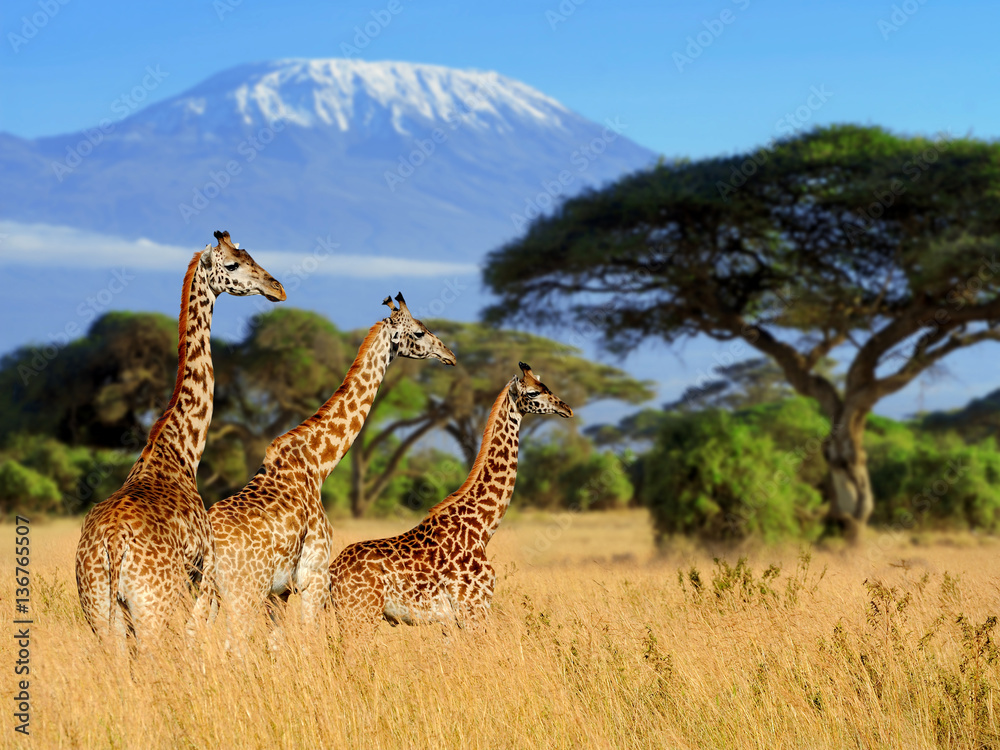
141, 548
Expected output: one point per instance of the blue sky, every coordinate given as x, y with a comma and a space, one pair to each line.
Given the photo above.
692, 78
603, 58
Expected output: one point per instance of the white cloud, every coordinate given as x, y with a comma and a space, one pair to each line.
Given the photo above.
46, 245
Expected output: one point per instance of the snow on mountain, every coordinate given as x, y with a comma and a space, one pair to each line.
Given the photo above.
387, 157
419, 169
357, 95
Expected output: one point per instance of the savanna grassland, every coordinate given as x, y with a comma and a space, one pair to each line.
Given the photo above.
595, 641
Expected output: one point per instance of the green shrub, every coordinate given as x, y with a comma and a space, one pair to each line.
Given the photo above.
23, 489
932, 480
81, 476
431, 476
718, 475
566, 471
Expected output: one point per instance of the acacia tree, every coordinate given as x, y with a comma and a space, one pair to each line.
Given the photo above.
96, 389
417, 397
846, 238
292, 360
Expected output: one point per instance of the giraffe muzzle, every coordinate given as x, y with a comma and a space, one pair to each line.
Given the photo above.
278, 294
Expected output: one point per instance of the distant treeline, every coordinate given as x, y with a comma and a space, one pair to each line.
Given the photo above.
73, 418
740, 456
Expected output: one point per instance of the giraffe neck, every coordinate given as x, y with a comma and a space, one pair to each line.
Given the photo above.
326, 436
177, 439
480, 503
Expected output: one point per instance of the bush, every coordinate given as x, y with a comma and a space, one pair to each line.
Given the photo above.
719, 476
81, 476
755, 472
23, 489
431, 476
919, 478
565, 471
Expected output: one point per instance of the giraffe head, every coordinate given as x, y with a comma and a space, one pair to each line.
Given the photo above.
411, 337
532, 396
233, 271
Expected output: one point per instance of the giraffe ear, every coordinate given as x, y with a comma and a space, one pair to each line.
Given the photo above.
402, 303
206, 256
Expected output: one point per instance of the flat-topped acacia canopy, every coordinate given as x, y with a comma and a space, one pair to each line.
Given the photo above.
845, 236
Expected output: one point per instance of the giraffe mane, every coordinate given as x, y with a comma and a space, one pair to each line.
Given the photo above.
477, 466
352, 372
182, 321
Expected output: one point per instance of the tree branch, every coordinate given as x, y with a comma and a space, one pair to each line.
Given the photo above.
796, 367
921, 361
383, 479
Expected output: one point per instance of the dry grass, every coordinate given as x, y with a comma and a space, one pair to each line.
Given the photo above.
594, 642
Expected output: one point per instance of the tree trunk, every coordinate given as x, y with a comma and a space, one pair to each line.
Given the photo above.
851, 500
358, 496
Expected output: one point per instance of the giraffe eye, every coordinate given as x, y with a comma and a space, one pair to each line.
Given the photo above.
533, 394
231, 266
418, 335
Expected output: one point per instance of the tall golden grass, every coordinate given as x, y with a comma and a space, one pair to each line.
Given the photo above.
594, 641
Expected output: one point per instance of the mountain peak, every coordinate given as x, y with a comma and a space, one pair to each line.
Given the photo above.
348, 94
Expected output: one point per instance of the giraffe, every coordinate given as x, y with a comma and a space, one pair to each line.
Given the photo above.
142, 548
273, 537
438, 571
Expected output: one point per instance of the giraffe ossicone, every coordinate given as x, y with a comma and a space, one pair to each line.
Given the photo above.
142, 548
273, 538
438, 571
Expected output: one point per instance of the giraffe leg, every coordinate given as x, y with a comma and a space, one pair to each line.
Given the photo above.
153, 607
243, 616
206, 606
476, 595
203, 614
276, 609
94, 587
314, 588
359, 611
312, 575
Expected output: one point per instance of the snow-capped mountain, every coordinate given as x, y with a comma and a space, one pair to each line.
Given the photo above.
354, 96
348, 180
386, 158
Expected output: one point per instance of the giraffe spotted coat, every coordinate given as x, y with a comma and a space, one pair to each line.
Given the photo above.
273, 538
142, 548
438, 571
